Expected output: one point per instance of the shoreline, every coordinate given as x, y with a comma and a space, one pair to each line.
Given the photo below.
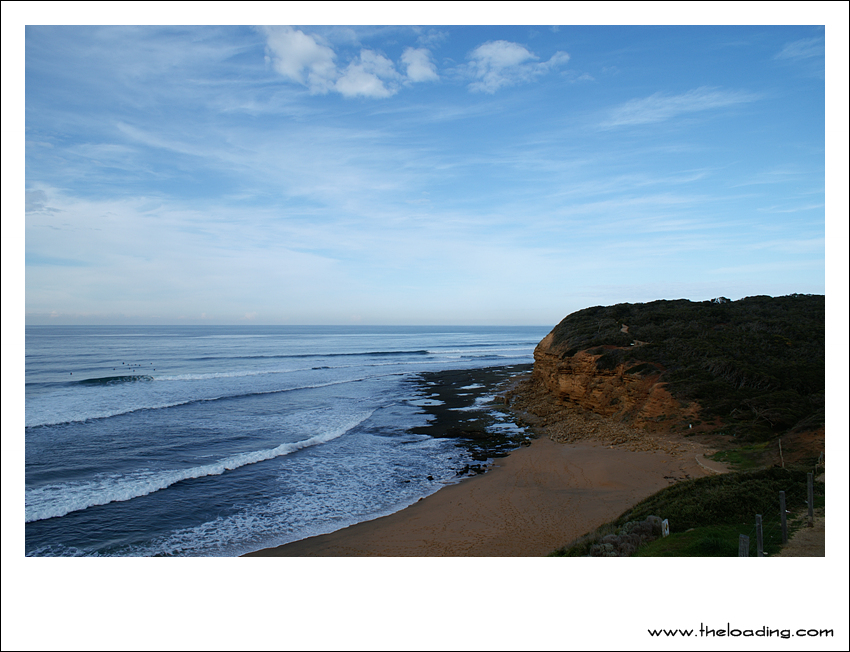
533, 498
528, 504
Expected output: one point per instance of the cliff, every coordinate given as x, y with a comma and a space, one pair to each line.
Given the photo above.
633, 393
752, 369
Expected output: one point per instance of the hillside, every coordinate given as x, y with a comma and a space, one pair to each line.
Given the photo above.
751, 370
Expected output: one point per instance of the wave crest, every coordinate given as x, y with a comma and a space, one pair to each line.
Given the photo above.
115, 380
56, 500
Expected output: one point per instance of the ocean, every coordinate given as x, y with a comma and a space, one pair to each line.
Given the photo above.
222, 440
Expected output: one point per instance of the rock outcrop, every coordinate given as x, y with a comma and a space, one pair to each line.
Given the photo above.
630, 392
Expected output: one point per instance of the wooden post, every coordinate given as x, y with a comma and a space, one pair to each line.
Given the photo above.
743, 546
783, 518
781, 459
759, 537
810, 481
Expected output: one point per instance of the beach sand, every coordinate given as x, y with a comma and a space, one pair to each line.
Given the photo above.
537, 499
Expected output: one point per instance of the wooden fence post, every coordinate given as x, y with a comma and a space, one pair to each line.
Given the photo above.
759, 537
743, 546
811, 498
783, 517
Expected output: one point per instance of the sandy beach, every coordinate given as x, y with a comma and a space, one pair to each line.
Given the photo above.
535, 500
538, 498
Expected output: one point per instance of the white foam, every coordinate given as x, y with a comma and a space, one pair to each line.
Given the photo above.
218, 374
57, 500
477, 349
244, 373
480, 402
424, 402
49, 420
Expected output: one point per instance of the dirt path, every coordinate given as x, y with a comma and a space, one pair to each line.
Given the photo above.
808, 541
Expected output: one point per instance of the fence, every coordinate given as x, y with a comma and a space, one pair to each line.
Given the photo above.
773, 532
727, 514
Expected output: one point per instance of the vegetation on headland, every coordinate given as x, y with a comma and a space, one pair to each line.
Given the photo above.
755, 366
707, 515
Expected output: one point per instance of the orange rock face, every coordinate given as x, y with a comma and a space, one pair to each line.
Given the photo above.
635, 398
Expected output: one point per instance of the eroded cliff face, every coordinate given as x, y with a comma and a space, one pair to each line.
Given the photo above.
632, 393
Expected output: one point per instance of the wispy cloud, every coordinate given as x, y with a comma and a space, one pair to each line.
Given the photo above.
431, 36
497, 64
794, 245
34, 260
769, 267
662, 106
782, 174
36, 202
802, 49
807, 55
793, 209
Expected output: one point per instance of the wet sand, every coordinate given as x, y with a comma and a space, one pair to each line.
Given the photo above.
535, 500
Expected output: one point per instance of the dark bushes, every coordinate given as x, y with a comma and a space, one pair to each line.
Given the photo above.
754, 364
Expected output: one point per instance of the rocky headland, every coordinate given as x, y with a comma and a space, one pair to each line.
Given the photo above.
684, 376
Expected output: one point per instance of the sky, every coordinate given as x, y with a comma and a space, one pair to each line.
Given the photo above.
417, 174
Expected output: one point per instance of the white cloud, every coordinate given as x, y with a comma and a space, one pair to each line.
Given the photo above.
420, 68
496, 64
661, 106
299, 57
306, 60
303, 59
372, 75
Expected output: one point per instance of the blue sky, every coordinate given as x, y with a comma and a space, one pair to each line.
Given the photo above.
417, 175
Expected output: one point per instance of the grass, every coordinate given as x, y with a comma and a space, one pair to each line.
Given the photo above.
718, 540
708, 515
746, 458
712, 541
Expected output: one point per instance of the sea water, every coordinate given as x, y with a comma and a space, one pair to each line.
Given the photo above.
204, 440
